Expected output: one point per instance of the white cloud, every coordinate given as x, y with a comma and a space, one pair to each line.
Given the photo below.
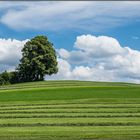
98, 46
10, 53
100, 58
84, 15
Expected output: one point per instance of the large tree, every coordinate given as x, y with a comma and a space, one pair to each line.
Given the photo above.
38, 59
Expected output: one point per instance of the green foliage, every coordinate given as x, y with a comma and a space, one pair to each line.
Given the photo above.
5, 75
39, 59
14, 77
9, 78
4, 78
2, 81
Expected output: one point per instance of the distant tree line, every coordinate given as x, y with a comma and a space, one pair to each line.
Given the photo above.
38, 59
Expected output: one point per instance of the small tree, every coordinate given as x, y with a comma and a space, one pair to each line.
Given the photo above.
2, 81
5, 75
38, 59
4, 78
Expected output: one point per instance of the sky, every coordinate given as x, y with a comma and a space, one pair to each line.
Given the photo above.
94, 41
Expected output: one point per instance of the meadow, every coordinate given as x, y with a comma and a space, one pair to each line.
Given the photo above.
70, 110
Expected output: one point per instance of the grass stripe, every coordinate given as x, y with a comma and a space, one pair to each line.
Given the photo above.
69, 124
72, 103
70, 106
78, 107
70, 116
30, 112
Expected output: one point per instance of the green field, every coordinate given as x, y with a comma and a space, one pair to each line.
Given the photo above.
70, 110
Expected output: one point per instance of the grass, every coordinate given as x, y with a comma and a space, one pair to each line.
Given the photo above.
70, 110
61, 93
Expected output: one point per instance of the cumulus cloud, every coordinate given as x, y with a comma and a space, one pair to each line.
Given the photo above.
99, 58
60, 15
10, 53
95, 58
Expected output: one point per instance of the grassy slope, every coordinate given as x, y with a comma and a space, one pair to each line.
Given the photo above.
71, 110
68, 90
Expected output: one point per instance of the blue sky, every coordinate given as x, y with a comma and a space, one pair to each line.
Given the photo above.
125, 32
63, 22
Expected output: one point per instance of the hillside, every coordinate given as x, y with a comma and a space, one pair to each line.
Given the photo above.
70, 110
67, 90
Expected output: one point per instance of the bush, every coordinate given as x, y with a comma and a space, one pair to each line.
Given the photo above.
14, 77
9, 78
2, 81
4, 78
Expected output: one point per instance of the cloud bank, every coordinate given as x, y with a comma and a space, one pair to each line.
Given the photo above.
95, 58
83, 15
10, 53
99, 58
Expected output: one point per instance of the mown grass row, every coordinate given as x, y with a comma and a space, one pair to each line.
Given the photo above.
93, 110
34, 106
70, 108
80, 113
71, 133
70, 116
71, 120
68, 112
83, 102
69, 124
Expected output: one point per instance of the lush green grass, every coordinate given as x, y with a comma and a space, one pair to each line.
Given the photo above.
70, 110
69, 93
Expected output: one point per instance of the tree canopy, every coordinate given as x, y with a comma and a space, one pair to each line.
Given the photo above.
38, 59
